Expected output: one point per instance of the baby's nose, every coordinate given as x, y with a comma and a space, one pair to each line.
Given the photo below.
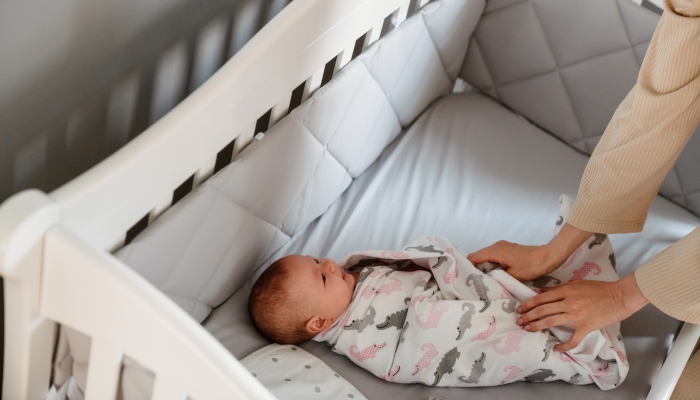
330, 265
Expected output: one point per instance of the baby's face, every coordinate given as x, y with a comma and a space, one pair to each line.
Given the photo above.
323, 287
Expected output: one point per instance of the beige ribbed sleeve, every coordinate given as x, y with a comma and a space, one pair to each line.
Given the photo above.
648, 130
688, 387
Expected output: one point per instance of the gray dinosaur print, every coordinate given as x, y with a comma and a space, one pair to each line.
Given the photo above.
427, 249
613, 361
446, 364
440, 261
466, 321
487, 304
574, 379
479, 286
613, 262
598, 239
477, 370
396, 320
367, 262
560, 220
360, 324
509, 307
539, 375
549, 345
619, 337
543, 281
403, 331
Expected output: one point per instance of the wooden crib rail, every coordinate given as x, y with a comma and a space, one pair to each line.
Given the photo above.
93, 292
674, 364
280, 67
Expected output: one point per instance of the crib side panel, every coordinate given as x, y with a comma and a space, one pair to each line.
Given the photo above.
106, 201
125, 315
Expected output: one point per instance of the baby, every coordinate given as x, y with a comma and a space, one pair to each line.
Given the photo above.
427, 315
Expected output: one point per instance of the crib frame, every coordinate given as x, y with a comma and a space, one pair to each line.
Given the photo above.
55, 250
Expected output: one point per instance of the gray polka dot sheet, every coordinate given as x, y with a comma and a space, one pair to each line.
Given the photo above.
290, 372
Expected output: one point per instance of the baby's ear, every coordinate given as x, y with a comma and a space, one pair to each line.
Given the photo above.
317, 324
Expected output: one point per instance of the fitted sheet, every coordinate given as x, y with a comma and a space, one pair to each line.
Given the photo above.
473, 171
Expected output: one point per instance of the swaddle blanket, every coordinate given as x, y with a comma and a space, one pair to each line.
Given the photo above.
427, 315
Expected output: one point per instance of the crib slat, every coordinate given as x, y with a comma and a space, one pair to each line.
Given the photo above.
103, 371
312, 84
279, 111
345, 56
402, 12
204, 172
244, 139
375, 33
160, 207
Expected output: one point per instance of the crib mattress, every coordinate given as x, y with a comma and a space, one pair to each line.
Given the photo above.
475, 172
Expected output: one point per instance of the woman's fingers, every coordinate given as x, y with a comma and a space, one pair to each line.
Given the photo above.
493, 253
576, 338
540, 299
546, 323
540, 312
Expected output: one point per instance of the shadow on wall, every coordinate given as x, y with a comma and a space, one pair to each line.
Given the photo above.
78, 103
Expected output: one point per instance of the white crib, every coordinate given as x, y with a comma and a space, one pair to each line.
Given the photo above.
56, 250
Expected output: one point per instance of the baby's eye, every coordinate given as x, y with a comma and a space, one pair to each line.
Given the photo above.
316, 259
324, 279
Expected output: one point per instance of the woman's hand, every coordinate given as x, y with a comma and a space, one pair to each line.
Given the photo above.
585, 305
526, 263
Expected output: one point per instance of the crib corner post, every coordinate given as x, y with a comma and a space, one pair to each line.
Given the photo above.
29, 338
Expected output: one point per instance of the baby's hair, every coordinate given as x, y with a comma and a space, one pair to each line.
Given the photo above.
271, 309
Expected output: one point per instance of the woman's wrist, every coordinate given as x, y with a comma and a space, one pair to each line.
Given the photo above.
631, 298
558, 250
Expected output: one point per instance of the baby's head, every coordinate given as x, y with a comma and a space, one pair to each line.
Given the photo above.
298, 297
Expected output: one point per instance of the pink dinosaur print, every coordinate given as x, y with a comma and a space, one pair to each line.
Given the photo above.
622, 356
506, 295
430, 353
488, 332
572, 258
366, 353
434, 316
391, 287
450, 276
397, 255
374, 273
391, 375
415, 300
512, 371
387, 288
512, 343
585, 270
450, 251
565, 357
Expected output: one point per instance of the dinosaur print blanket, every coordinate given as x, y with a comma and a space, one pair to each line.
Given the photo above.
427, 315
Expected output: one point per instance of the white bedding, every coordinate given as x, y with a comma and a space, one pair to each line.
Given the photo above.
498, 177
